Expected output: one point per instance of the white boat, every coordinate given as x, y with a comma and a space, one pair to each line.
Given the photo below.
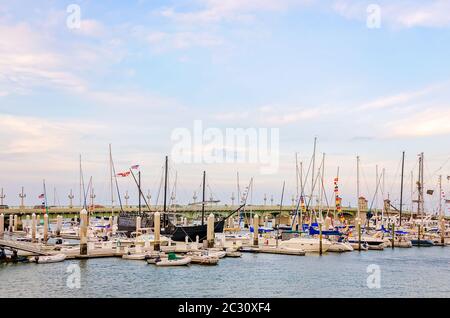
203, 259
232, 252
355, 246
174, 262
136, 257
49, 259
307, 244
218, 254
340, 247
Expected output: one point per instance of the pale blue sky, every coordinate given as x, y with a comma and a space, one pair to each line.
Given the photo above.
136, 70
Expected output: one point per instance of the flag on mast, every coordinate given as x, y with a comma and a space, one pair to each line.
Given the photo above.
135, 167
123, 174
41, 196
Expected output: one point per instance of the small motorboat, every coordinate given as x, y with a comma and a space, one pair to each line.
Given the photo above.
173, 260
231, 252
340, 247
422, 243
135, 257
49, 259
355, 245
218, 254
203, 259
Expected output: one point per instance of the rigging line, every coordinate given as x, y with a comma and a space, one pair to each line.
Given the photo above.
396, 175
159, 189
376, 192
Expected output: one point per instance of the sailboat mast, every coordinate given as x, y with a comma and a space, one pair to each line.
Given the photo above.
296, 173
203, 197
111, 179
357, 190
165, 183
139, 186
401, 187
313, 174
81, 188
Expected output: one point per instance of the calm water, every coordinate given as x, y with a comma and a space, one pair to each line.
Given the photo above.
415, 272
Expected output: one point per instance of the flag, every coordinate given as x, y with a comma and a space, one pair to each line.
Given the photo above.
123, 174
430, 192
135, 167
41, 196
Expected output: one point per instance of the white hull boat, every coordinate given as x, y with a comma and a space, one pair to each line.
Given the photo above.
340, 247
309, 245
49, 259
174, 262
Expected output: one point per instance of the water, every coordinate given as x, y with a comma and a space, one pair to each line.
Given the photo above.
414, 272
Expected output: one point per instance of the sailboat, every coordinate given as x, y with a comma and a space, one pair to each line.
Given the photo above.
127, 221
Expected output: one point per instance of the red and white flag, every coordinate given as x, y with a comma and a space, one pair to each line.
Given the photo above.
41, 196
123, 174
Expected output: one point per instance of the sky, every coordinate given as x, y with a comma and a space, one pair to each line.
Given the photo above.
368, 81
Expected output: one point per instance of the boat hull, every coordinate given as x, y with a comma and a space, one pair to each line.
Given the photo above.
180, 232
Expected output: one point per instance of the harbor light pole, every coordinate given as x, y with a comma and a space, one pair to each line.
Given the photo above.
22, 197
92, 196
265, 199
71, 197
2, 197
232, 198
126, 199
149, 197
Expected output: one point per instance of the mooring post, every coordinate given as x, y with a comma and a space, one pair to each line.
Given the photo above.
393, 235
359, 234
157, 230
58, 225
418, 235
16, 223
256, 230
45, 228
138, 225
210, 231
320, 238
83, 232
33, 228
11, 223
2, 225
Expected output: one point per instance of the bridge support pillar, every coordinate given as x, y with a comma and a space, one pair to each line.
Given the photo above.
33, 228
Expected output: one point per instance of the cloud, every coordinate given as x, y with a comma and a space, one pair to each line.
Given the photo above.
399, 14
398, 99
214, 11
164, 41
431, 122
33, 135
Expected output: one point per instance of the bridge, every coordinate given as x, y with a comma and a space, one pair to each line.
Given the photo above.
189, 211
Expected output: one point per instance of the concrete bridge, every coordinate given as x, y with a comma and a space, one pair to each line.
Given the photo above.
190, 211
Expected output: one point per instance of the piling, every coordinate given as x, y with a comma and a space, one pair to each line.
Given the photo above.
11, 223
16, 223
210, 231
83, 232
359, 235
157, 230
33, 228
45, 227
28, 223
393, 235
38, 219
138, 225
266, 222
418, 235
185, 221
255, 230
58, 225
2, 225
443, 231
320, 239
